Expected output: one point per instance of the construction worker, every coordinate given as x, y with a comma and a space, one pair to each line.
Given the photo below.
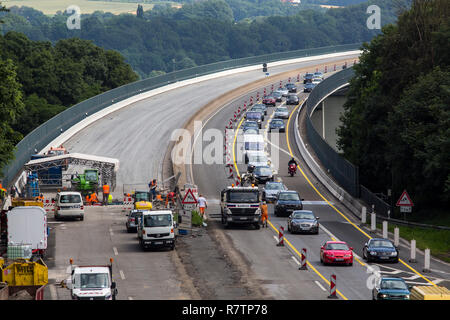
41, 197
94, 198
202, 205
105, 194
152, 185
264, 214
110, 198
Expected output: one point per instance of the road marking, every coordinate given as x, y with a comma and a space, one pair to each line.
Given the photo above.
276, 239
295, 259
53, 293
315, 203
329, 203
115, 251
122, 275
320, 286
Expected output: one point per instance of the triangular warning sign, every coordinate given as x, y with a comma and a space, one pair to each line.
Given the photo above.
405, 200
189, 198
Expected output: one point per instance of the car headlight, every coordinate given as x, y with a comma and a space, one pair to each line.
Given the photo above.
228, 211
108, 297
393, 254
383, 295
330, 254
347, 255
407, 296
373, 253
258, 211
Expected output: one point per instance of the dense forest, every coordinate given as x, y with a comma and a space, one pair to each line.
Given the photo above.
38, 80
200, 33
396, 125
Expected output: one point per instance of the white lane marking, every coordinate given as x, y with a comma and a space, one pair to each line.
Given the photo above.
295, 259
419, 283
324, 203
320, 286
53, 293
54, 222
276, 239
392, 272
115, 251
414, 277
122, 275
437, 281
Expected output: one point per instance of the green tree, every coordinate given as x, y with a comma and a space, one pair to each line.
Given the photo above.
10, 106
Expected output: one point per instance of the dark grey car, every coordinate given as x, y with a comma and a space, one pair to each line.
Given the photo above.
303, 221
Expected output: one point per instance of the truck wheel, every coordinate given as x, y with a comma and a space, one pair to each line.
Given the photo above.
172, 247
81, 218
257, 226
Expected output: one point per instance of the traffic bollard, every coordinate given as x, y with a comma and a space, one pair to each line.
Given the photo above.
334, 69
385, 229
396, 236
298, 77
303, 265
426, 267
326, 69
280, 237
413, 251
373, 225
333, 287
364, 215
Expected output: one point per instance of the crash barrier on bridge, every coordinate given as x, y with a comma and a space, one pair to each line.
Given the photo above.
332, 287
40, 137
303, 265
345, 173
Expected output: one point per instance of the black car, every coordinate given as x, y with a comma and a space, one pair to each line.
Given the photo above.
379, 249
308, 78
277, 124
277, 95
263, 174
303, 221
309, 87
292, 99
291, 87
288, 202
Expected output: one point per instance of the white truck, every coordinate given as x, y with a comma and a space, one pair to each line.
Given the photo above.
93, 282
28, 226
156, 229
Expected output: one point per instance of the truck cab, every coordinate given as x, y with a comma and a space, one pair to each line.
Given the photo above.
240, 205
156, 229
92, 282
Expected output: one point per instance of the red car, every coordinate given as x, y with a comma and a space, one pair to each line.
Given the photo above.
336, 252
269, 100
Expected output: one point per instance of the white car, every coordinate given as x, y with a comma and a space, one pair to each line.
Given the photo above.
284, 92
316, 81
256, 158
69, 204
281, 113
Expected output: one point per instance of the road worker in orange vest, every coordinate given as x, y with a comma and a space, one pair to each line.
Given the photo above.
264, 214
105, 194
94, 198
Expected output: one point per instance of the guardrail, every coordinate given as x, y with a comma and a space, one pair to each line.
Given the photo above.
48, 131
345, 173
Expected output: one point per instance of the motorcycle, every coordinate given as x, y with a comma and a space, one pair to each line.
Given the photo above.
292, 169
248, 179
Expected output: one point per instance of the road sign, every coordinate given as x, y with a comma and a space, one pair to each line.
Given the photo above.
406, 209
189, 198
404, 200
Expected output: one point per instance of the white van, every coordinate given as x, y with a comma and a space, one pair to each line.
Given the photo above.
69, 204
254, 142
156, 229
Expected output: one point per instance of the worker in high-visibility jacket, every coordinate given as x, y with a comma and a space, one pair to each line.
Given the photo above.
41, 197
110, 198
94, 198
105, 194
264, 214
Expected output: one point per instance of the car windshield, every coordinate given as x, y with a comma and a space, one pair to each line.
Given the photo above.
242, 196
158, 220
142, 196
251, 131
91, 280
289, 197
274, 186
276, 93
256, 146
281, 110
251, 124
393, 284
381, 243
264, 171
268, 97
257, 158
253, 115
304, 215
70, 198
337, 246
276, 121
308, 75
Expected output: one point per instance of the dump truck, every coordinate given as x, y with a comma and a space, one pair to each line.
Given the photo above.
86, 182
23, 279
91, 282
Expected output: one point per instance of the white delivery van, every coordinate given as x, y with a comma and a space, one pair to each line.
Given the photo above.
28, 225
254, 142
69, 204
156, 229
92, 282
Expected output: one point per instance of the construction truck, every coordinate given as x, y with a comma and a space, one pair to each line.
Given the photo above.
86, 182
91, 282
142, 200
22, 279
240, 205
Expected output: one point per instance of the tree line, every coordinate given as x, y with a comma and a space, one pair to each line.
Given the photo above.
396, 124
200, 33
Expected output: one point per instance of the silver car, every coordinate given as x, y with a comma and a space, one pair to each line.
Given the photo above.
271, 189
284, 92
132, 220
303, 221
281, 113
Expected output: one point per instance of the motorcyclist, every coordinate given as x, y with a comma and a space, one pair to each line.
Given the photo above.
292, 161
